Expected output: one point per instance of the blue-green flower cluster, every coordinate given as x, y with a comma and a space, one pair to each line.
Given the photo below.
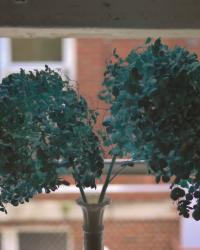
46, 130
154, 95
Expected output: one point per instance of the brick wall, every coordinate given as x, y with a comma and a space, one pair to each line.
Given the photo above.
129, 235
118, 234
134, 235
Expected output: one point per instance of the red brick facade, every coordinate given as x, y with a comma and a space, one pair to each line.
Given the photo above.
135, 235
119, 234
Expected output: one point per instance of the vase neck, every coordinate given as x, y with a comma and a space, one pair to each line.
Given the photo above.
93, 224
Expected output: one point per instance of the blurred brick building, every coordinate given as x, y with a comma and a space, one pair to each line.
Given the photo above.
141, 217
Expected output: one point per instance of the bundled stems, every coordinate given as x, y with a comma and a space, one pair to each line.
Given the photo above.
80, 188
83, 194
107, 181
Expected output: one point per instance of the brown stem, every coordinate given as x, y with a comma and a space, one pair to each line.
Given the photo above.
106, 183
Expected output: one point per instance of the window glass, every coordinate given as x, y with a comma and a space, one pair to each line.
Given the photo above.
190, 233
39, 49
42, 241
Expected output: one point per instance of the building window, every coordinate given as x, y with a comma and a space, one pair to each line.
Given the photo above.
42, 241
33, 53
36, 238
190, 234
41, 49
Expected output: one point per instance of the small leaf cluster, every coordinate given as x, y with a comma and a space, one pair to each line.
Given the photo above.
154, 94
188, 200
46, 130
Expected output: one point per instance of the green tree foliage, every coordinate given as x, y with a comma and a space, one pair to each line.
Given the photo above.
154, 95
46, 129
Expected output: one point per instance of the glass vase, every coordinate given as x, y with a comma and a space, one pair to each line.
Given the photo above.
93, 224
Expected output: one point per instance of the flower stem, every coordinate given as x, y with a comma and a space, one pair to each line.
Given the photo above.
117, 173
106, 183
83, 194
80, 187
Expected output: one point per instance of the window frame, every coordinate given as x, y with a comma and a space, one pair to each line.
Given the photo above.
10, 234
67, 64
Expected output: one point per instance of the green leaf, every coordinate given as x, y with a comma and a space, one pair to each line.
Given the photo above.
148, 40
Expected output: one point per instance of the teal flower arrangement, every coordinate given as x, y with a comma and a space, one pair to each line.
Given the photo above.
46, 130
154, 94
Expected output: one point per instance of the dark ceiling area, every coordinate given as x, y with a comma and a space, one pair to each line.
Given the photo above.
142, 14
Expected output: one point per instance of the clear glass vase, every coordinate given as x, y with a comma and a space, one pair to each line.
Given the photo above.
93, 224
